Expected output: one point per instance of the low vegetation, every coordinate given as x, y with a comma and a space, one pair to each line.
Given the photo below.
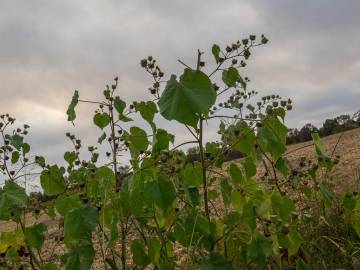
164, 212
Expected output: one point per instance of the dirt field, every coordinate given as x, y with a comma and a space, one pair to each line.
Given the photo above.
346, 174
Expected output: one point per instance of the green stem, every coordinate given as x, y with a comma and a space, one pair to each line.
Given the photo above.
203, 167
123, 245
118, 183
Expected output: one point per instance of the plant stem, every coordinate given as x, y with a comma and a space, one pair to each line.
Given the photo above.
201, 149
112, 124
118, 184
202, 159
123, 245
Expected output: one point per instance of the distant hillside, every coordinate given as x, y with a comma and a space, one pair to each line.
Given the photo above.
346, 174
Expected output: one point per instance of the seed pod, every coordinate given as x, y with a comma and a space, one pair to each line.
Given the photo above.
267, 234
285, 229
143, 63
264, 40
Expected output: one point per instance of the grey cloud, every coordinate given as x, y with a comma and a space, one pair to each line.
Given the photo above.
50, 48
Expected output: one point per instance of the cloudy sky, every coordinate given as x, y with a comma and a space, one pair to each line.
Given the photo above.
50, 48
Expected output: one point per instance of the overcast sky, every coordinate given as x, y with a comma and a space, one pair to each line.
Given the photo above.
50, 48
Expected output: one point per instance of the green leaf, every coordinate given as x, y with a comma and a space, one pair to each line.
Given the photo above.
102, 184
154, 247
318, 143
101, 120
40, 160
162, 140
236, 174
307, 191
226, 191
353, 217
147, 111
232, 219
237, 200
291, 241
160, 192
79, 224
326, 194
70, 157
120, 106
80, 256
66, 202
282, 166
213, 194
258, 249
35, 235
263, 204
282, 206
12, 255
230, 76
195, 228
12, 199
193, 195
71, 109
191, 176
216, 261
349, 202
52, 181
301, 265
17, 141
138, 254
138, 139
272, 137
249, 215
184, 100
25, 148
13, 239
49, 266
250, 167
15, 157
216, 52
245, 142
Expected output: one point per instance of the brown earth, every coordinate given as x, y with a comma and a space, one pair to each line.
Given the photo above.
346, 174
